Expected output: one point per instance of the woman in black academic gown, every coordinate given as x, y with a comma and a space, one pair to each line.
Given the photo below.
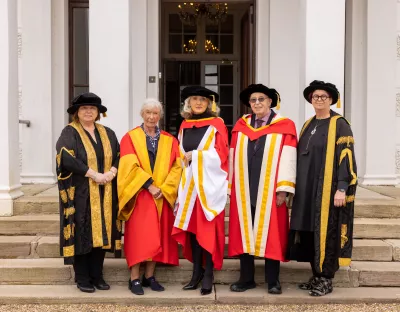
87, 162
321, 227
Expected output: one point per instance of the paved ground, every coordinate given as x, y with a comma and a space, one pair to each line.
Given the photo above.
199, 308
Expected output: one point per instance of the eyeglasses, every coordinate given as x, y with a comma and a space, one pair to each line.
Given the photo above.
322, 97
260, 99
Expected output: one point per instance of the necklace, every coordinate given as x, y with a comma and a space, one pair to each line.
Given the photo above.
312, 133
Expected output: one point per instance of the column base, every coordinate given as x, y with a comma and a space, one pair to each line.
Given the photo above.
379, 180
27, 178
7, 196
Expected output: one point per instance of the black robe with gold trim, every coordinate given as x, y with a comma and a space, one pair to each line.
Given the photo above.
333, 226
88, 211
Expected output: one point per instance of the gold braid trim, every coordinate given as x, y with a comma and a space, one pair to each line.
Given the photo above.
69, 231
68, 212
63, 195
71, 192
344, 140
69, 251
119, 225
118, 245
344, 261
343, 235
350, 199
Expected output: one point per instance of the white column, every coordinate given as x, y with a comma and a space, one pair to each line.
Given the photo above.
381, 93
9, 138
60, 70
36, 83
284, 67
109, 59
324, 45
356, 73
153, 48
262, 41
140, 57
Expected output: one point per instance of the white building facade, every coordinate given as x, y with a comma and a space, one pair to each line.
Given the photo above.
128, 50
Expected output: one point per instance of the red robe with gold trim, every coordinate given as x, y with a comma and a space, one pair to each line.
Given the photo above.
148, 222
266, 236
203, 191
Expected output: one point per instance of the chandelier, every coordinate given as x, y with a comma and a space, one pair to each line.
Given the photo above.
190, 12
191, 47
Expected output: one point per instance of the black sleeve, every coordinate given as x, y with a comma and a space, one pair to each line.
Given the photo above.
347, 170
66, 147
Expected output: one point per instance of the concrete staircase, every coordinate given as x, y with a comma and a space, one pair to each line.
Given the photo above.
29, 248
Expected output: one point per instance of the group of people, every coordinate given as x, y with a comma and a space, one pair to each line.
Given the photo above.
172, 191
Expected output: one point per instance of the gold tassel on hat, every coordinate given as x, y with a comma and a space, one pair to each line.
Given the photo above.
104, 115
214, 105
278, 105
338, 104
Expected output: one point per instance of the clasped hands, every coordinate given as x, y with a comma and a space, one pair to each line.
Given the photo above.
101, 178
155, 192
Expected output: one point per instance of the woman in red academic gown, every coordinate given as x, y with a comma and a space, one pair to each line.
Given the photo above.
148, 179
199, 222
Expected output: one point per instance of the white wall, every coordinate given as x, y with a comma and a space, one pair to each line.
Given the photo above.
109, 59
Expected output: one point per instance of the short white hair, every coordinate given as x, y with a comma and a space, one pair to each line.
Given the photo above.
151, 103
187, 112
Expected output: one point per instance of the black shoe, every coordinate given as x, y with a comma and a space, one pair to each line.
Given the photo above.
152, 283
135, 287
242, 286
204, 291
101, 284
276, 289
86, 287
194, 282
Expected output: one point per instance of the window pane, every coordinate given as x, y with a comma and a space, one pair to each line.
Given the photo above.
211, 74
227, 114
189, 44
211, 44
212, 88
175, 24
226, 74
227, 26
80, 45
211, 28
226, 95
175, 44
226, 44
80, 90
190, 29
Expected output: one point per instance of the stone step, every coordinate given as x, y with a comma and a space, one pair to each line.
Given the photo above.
174, 296
48, 247
49, 225
52, 271
31, 205
366, 228
364, 208
30, 225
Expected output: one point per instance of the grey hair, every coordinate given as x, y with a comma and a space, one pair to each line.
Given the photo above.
187, 112
152, 103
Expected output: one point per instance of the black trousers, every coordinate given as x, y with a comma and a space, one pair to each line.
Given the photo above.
89, 267
247, 270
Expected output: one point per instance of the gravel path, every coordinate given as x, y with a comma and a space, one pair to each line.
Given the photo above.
222, 308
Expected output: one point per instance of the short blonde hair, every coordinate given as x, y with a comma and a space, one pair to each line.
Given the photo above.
152, 103
187, 112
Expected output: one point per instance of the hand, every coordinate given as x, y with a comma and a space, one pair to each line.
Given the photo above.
109, 176
160, 195
100, 178
154, 191
340, 199
280, 198
187, 158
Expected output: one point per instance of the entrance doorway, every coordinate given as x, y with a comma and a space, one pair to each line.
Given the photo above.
217, 55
